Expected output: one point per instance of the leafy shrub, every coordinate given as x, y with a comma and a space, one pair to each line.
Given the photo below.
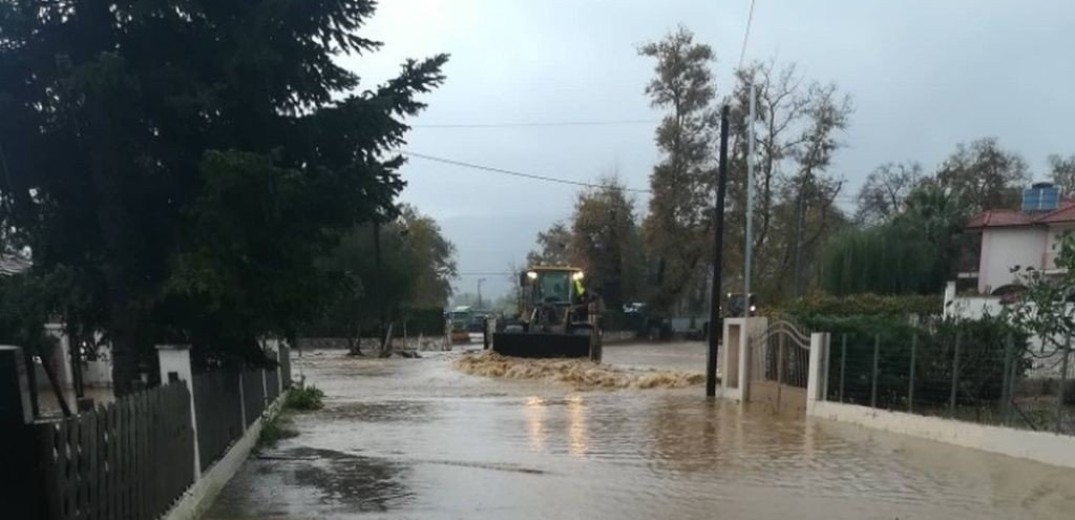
863, 305
981, 360
306, 397
278, 428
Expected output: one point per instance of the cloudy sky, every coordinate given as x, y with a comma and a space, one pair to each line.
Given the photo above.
924, 75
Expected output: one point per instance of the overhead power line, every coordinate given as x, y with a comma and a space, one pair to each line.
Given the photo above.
540, 124
513, 173
505, 273
746, 34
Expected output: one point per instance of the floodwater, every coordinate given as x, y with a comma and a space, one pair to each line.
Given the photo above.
406, 438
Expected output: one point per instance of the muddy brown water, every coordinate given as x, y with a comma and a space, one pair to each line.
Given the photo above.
416, 439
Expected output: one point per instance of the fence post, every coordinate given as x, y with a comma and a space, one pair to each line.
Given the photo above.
955, 376
175, 366
876, 355
910, 385
20, 481
1063, 385
61, 358
242, 399
816, 378
1006, 390
843, 365
485, 333
285, 366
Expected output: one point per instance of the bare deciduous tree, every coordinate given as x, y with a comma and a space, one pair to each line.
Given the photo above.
885, 191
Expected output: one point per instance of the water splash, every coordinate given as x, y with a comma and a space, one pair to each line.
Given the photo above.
579, 373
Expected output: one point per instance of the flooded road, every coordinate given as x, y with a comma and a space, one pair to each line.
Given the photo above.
407, 438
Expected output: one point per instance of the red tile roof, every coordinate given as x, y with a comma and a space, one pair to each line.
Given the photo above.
1015, 218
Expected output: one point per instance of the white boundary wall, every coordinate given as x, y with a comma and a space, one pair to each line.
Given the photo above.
1047, 448
1044, 447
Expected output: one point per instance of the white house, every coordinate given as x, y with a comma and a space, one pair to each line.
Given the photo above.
1012, 239
1018, 238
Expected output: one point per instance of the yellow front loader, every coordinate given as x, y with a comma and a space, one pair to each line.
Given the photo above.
558, 317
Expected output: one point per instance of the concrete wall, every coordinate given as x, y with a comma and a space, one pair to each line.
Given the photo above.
1004, 248
1047, 448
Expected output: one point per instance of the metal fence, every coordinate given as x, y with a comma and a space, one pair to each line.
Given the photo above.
956, 373
129, 459
218, 408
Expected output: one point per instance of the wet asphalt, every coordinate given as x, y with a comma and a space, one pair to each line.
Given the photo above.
403, 438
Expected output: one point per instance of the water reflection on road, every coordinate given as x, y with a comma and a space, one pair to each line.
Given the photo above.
414, 439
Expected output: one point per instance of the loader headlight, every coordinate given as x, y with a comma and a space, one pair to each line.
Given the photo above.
577, 275
753, 308
531, 275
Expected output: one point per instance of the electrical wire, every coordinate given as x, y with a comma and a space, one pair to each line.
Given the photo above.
515, 173
746, 34
539, 124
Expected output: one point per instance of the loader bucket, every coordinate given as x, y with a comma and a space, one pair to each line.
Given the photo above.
541, 345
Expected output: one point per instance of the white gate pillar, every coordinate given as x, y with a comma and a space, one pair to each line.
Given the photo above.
735, 355
817, 381
175, 359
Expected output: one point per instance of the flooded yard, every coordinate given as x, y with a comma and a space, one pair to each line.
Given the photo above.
405, 438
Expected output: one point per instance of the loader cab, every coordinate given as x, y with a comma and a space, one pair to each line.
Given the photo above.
550, 285
551, 290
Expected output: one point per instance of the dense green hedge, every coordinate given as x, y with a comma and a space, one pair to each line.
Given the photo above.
981, 366
862, 304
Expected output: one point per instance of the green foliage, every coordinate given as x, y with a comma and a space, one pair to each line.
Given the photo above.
428, 322
682, 181
981, 367
160, 150
882, 260
1044, 306
913, 253
433, 260
411, 282
862, 305
305, 398
605, 236
278, 428
553, 247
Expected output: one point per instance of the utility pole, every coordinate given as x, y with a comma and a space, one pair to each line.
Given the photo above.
748, 257
800, 228
480, 280
380, 281
718, 242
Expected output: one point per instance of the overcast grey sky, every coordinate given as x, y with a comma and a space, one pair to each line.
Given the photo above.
924, 75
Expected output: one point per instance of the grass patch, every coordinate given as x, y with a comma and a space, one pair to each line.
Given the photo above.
280, 427
304, 398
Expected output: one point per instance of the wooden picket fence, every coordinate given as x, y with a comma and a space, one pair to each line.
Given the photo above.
253, 394
128, 460
219, 411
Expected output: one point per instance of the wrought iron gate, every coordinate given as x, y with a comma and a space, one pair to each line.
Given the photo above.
779, 367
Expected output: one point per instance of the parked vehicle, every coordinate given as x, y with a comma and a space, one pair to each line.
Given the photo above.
460, 319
